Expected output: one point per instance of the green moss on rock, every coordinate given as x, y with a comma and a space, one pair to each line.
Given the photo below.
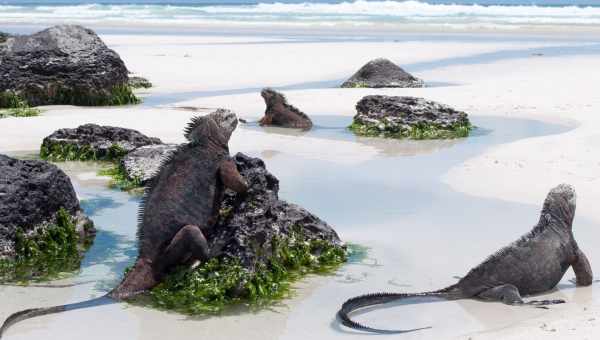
417, 132
119, 178
119, 95
15, 106
48, 253
59, 152
222, 282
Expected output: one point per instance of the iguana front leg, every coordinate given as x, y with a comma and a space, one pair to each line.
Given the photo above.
231, 178
583, 270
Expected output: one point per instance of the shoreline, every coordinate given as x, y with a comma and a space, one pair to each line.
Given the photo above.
326, 33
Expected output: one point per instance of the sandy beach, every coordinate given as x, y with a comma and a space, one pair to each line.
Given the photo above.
428, 211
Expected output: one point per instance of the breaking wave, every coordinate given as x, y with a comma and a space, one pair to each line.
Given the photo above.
358, 12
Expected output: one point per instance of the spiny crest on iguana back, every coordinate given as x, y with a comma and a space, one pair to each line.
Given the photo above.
208, 136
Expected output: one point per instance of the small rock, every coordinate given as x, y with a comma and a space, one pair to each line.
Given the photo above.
31, 194
94, 142
142, 163
382, 73
408, 117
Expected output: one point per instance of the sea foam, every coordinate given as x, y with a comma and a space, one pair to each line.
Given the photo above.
358, 12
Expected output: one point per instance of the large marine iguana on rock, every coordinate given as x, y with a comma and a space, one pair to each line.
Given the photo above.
533, 264
180, 202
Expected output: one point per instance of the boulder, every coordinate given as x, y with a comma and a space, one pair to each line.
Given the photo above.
382, 73
249, 223
408, 117
93, 142
280, 113
141, 164
62, 65
31, 195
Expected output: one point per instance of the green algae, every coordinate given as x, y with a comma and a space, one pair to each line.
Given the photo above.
119, 178
220, 283
52, 252
417, 132
15, 106
60, 152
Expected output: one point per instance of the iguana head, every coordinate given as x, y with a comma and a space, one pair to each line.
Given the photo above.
560, 205
215, 127
270, 96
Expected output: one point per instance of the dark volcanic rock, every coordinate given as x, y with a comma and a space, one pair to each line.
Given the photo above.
249, 223
382, 73
142, 163
31, 193
408, 117
61, 65
91, 141
3, 37
280, 113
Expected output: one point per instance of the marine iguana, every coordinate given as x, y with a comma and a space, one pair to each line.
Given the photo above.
181, 202
280, 113
533, 264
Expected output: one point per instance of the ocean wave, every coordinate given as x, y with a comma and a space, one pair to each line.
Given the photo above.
359, 12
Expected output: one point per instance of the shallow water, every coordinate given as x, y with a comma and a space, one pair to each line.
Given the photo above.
421, 233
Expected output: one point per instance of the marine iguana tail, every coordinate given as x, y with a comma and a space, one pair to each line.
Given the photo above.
181, 201
533, 264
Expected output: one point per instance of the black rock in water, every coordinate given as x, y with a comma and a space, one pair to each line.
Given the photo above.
382, 73
91, 141
249, 222
62, 65
408, 117
31, 194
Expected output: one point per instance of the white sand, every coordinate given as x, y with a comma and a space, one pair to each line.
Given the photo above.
555, 89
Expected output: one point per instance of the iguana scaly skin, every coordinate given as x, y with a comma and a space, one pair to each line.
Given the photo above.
533, 264
180, 202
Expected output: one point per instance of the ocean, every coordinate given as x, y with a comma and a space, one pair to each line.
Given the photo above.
446, 13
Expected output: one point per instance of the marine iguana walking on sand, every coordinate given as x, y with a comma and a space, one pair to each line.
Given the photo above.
533, 264
180, 202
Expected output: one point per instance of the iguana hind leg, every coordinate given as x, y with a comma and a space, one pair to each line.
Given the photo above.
509, 294
188, 243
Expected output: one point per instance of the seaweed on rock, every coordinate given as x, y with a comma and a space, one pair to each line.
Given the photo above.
72, 152
120, 179
48, 252
408, 117
15, 106
417, 132
222, 282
